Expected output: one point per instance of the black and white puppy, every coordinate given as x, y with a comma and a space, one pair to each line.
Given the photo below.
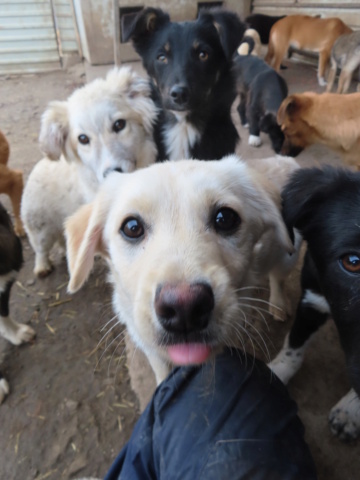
261, 92
324, 206
190, 65
11, 260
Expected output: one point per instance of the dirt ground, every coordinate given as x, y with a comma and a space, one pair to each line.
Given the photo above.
71, 407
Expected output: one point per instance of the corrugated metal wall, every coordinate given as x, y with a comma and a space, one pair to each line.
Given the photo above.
35, 34
65, 25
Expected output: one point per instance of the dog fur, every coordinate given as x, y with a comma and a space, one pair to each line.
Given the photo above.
261, 92
262, 24
11, 260
186, 241
11, 183
324, 206
114, 117
345, 55
250, 43
328, 118
305, 33
190, 64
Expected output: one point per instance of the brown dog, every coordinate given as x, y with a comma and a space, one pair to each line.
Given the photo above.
329, 118
305, 33
11, 183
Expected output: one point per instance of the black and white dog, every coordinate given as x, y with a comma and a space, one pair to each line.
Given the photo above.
324, 205
11, 260
190, 65
261, 92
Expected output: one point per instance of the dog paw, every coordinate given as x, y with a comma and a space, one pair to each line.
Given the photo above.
254, 141
43, 272
4, 389
322, 82
344, 417
16, 333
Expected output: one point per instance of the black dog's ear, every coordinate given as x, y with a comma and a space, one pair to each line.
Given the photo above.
144, 24
306, 190
229, 26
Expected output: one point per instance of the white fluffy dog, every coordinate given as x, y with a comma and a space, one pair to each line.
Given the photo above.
186, 241
104, 126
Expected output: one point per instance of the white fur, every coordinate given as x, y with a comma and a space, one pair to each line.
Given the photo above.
176, 202
316, 301
180, 137
14, 332
56, 189
344, 417
288, 361
254, 141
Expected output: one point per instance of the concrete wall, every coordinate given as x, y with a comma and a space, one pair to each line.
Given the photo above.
96, 29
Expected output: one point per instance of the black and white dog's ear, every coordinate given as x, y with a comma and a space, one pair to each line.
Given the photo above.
306, 190
229, 26
143, 25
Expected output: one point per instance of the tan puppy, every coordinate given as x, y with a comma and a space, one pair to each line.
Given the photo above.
328, 118
305, 33
11, 183
186, 242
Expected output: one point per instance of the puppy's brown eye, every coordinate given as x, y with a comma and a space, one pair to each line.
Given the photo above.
226, 221
84, 139
162, 58
132, 228
351, 262
119, 125
203, 56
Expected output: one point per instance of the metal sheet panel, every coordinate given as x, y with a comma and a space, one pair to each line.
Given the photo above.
27, 37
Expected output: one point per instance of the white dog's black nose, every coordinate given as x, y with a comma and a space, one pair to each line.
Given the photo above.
183, 307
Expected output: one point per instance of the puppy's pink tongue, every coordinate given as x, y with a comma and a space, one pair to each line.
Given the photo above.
189, 353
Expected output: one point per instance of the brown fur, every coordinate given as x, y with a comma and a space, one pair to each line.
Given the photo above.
11, 183
330, 119
305, 33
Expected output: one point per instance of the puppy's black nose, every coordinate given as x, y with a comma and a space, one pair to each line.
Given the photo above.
179, 94
184, 308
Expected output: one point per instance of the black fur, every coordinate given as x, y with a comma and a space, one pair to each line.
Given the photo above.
324, 206
11, 259
190, 64
261, 92
262, 24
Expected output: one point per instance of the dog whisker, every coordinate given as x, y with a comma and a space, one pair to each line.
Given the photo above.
122, 333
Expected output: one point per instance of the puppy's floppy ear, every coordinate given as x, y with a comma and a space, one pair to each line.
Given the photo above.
306, 190
83, 233
137, 92
144, 24
291, 106
229, 26
54, 129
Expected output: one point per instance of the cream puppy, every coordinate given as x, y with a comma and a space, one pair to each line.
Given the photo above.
186, 241
104, 126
